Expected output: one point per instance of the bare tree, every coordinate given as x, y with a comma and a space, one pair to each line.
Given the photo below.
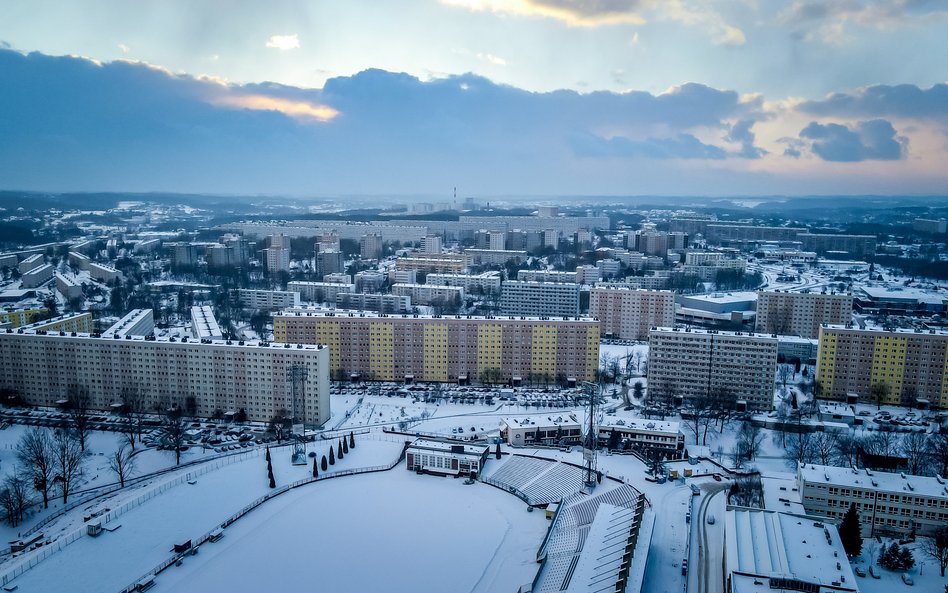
846, 448
938, 452
68, 457
880, 391
785, 373
123, 463
15, 497
914, 448
749, 440
34, 451
823, 447
799, 449
175, 427
936, 547
701, 413
77, 405
883, 442
133, 413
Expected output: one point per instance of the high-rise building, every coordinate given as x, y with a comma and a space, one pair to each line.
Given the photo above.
690, 363
448, 348
907, 365
629, 314
203, 378
544, 299
278, 254
800, 313
330, 261
431, 244
370, 246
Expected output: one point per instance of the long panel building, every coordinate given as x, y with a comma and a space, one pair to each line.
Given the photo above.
449, 348
800, 313
223, 377
694, 363
628, 314
911, 363
519, 297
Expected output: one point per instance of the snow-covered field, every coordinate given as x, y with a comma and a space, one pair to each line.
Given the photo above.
391, 531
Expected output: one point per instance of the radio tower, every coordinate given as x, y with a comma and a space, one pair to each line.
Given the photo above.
590, 440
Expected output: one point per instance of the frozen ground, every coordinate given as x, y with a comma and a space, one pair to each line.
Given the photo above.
148, 531
926, 573
424, 534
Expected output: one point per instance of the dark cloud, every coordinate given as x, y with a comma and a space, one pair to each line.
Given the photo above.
741, 132
682, 146
869, 140
904, 100
869, 12
5, 44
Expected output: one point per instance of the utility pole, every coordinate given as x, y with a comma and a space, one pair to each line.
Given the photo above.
590, 442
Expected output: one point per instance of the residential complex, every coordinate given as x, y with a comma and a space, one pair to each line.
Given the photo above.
488, 282
628, 314
205, 378
690, 363
269, 300
449, 348
545, 299
801, 313
137, 322
37, 276
319, 292
427, 294
383, 303
910, 363
887, 503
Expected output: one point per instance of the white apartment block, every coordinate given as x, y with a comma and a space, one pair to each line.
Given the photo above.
800, 313
383, 303
425, 294
539, 299
68, 286
370, 246
319, 292
486, 282
629, 314
31, 263
269, 300
432, 244
204, 324
494, 256
546, 276
37, 276
405, 277
137, 322
79, 261
277, 259
104, 273
888, 503
219, 376
338, 278
692, 363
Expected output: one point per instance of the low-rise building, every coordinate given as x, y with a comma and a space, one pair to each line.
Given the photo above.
888, 503
645, 436
446, 458
541, 430
767, 551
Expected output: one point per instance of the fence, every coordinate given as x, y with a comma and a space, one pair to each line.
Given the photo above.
133, 586
61, 542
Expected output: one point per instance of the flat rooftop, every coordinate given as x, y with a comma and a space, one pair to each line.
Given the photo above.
882, 481
668, 426
316, 312
450, 447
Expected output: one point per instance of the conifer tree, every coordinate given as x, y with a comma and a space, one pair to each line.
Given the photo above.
315, 471
352, 441
850, 532
332, 458
323, 464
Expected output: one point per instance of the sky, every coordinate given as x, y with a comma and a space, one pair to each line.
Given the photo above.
495, 97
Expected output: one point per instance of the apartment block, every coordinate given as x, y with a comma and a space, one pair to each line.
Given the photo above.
37, 276
444, 263
911, 363
888, 503
448, 348
370, 246
382, 303
268, 300
68, 286
546, 299
76, 322
204, 324
629, 314
692, 363
204, 377
319, 292
426, 294
488, 282
546, 276
21, 317
494, 256
31, 263
800, 313
137, 322
78, 260
104, 273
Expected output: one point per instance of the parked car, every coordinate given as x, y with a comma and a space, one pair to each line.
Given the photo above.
717, 477
860, 572
907, 579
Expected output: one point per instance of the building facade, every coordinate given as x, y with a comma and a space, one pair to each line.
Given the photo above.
427, 294
448, 348
690, 363
910, 364
629, 314
545, 299
319, 292
205, 378
268, 300
888, 503
801, 313
446, 458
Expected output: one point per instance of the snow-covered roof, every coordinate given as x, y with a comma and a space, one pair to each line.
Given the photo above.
307, 312
667, 426
603, 550
875, 480
450, 447
902, 294
770, 545
540, 421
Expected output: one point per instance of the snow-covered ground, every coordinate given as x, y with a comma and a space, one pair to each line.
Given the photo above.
925, 574
149, 530
391, 531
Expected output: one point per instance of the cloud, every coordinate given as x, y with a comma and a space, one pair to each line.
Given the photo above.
700, 14
123, 48
820, 20
906, 100
741, 132
284, 42
495, 60
869, 140
680, 146
299, 109
583, 13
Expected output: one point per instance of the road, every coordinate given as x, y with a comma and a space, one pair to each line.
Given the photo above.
707, 541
